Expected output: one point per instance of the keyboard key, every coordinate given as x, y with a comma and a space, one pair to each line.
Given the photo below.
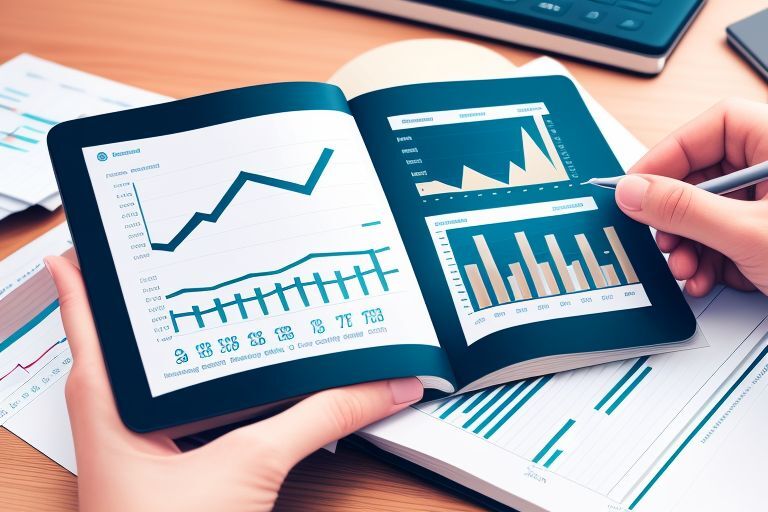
635, 7
553, 7
593, 16
630, 24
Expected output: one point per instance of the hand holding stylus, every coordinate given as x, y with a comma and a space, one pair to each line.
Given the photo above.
710, 238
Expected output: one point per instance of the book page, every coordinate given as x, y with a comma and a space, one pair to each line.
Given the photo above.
254, 242
515, 255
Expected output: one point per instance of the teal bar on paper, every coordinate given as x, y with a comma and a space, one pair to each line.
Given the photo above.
479, 397
34, 322
518, 405
495, 398
501, 407
555, 438
640, 362
627, 391
458, 403
553, 458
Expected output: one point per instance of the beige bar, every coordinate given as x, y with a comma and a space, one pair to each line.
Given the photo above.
522, 282
621, 255
478, 287
580, 277
560, 265
515, 288
531, 263
497, 283
589, 257
546, 271
610, 275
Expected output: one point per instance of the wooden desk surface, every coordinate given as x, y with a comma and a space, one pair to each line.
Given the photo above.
187, 47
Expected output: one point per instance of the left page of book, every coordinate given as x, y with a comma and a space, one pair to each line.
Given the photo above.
261, 241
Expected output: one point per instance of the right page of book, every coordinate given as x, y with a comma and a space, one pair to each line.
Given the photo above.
517, 258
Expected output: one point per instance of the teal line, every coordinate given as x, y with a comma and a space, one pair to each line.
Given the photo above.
16, 91
700, 425
441, 405
32, 129
555, 438
40, 119
495, 398
289, 266
34, 322
23, 138
501, 407
455, 406
3, 144
369, 224
141, 211
518, 405
627, 391
12, 98
640, 362
232, 191
479, 397
553, 458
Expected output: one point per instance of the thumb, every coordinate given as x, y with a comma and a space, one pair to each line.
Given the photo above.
323, 418
682, 209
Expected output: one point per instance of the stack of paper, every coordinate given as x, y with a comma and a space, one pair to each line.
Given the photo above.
35, 95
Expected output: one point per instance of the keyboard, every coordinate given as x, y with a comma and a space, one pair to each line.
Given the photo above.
636, 35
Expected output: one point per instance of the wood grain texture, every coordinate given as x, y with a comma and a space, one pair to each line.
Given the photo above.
187, 47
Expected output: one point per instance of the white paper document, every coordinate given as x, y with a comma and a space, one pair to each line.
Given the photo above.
35, 95
680, 431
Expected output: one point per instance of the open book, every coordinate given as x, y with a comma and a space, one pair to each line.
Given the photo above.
439, 230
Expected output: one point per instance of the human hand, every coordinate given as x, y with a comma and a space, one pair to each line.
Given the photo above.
120, 470
709, 238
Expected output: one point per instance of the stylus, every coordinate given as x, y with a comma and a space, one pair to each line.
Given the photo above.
720, 185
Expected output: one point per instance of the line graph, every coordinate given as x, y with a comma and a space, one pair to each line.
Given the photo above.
32, 363
242, 178
303, 292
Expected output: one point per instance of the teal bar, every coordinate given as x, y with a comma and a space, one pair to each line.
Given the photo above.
369, 224
501, 391
220, 310
342, 284
300, 288
241, 306
10, 146
16, 91
455, 406
22, 138
640, 362
361, 280
281, 296
12, 98
443, 403
553, 458
34, 322
32, 129
479, 397
698, 428
555, 438
320, 287
518, 405
40, 119
500, 408
198, 316
627, 391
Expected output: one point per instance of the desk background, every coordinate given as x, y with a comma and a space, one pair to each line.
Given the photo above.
188, 47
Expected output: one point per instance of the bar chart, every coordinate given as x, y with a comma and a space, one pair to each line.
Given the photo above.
491, 284
527, 263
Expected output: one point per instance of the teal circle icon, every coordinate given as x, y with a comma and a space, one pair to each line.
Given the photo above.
101, 156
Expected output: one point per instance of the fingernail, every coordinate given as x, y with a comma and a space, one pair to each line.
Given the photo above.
47, 266
406, 390
630, 193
